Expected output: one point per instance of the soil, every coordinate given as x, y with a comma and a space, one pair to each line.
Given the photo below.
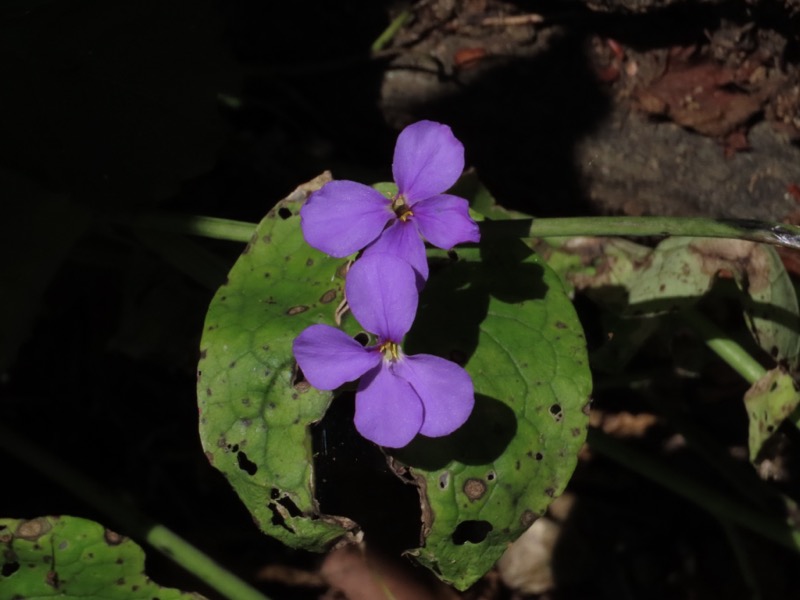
637, 107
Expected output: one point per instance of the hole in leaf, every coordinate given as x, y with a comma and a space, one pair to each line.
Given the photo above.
287, 503
491, 476
277, 517
362, 338
473, 532
284, 213
9, 569
245, 464
352, 479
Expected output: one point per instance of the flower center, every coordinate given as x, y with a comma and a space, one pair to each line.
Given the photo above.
401, 209
390, 350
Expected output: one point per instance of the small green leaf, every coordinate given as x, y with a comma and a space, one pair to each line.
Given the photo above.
73, 558
769, 401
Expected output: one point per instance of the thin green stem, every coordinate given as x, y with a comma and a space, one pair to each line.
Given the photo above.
128, 518
727, 349
704, 496
386, 36
755, 231
208, 227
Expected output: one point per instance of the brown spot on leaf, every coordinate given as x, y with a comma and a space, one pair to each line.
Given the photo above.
296, 310
561, 325
328, 297
51, 579
112, 538
748, 260
551, 492
33, 529
475, 488
527, 518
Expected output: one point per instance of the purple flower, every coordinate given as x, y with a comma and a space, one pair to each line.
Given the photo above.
344, 216
398, 396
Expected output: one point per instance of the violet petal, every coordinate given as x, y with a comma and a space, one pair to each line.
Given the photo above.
343, 217
402, 239
388, 411
382, 293
445, 389
330, 358
444, 221
428, 160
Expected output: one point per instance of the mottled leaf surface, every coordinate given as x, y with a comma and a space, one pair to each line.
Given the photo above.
73, 558
504, 314
637, 281
769, 401
255, 408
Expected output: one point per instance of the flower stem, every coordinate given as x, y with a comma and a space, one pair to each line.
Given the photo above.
202, 226
704, 496
727, 349
756, 231
128, 518
765, 232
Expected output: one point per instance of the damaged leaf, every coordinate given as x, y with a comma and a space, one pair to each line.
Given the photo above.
637, 282
255, 407
504, 313
770, 400
73, 558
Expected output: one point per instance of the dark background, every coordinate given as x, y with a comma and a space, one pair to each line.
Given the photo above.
110, 110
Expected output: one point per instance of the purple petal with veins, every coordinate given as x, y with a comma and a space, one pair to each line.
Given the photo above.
445, 389
444, 221
428, 160
343, 217
330, 358
382, 293
402, 239
388, 410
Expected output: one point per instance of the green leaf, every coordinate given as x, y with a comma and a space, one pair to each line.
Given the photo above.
254, 413
637, 281
503, 312
73, 558
497, 309
769, 401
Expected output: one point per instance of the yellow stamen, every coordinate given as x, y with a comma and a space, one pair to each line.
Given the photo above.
401, 209
390, 351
